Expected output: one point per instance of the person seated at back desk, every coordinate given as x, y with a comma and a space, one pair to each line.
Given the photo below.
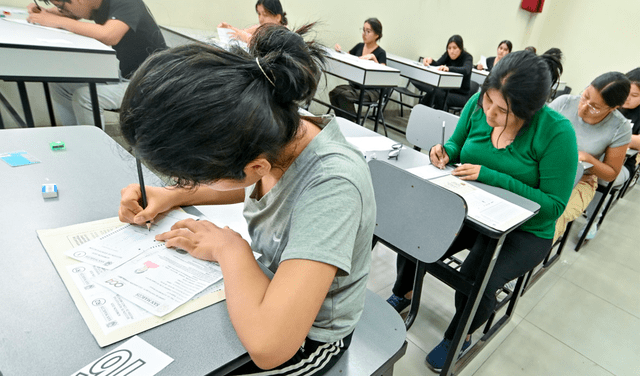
631, 108
125, 25
344, 96
504, 48
603, 136
457, 60
269, 12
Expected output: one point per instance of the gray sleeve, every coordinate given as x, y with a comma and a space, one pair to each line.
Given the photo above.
324, 224
559, 103
622, 135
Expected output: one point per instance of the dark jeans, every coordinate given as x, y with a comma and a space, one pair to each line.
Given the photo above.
345, 96
521, 252
434, 97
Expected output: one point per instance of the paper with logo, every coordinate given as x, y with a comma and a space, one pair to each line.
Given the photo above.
126, 242
484, 206
161, 279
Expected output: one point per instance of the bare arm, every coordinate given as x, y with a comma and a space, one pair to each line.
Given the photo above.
608, 169
271, 318
110, 33
635, 142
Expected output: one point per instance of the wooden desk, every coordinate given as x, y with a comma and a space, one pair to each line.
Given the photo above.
35, 54
473, 289
366, 73
414, 70
479, 75
42, 330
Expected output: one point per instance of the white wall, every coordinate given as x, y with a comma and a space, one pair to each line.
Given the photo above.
596, 36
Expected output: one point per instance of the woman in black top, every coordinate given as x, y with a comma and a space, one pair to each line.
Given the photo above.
504, 48
457, 60
344, 96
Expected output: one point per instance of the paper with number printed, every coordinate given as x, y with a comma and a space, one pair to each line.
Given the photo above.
135, 357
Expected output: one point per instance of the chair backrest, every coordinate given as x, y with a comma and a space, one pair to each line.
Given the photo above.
416, 216
474, 87
424, 128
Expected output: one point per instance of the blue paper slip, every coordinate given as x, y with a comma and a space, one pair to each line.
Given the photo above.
18, 158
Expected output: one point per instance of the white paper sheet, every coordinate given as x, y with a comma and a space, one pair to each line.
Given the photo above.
135, 357
430, 171
225, 35
117, 247
161, 279
483, 61
110, 310
483, 206
25, 22
373, 143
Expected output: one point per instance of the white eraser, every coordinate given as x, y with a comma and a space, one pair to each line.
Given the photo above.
49, 190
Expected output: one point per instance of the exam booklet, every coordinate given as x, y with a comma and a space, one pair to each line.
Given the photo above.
129, 262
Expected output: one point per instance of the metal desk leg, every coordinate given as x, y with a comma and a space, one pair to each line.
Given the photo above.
25, 103
47, 95
95, 105
359, 111
473, 300
12, 112
378, 114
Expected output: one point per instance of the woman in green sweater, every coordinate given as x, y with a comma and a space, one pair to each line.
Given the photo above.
506, 137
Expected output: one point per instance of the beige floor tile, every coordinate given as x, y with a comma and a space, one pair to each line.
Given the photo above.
591, 326
412, 363
530, 351
616, 247
537, 291
610, 280
383, 268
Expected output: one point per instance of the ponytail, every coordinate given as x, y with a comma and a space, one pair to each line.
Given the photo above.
200, 113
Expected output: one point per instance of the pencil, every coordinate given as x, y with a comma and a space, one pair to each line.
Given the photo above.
143, 191
443, 126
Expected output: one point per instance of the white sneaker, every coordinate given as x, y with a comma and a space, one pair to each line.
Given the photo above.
592, 231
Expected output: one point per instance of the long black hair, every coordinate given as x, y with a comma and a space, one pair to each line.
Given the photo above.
614, 88
507, 43
524, 80
376, 26
274, 7
199, 113
457, 39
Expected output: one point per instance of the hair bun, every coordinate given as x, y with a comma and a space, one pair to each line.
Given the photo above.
286, 62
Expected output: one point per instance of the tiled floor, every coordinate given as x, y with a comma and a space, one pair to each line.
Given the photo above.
581, 318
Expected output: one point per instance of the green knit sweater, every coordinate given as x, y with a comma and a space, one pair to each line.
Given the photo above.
540, 164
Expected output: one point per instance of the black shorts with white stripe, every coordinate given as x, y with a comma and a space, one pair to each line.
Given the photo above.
313, 358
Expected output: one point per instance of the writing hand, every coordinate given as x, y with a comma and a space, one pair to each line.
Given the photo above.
467, 171
202, 239
159, 200
443, 68
427, 61
337, 47
438, 156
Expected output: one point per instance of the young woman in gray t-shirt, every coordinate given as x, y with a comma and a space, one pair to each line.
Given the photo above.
603, 135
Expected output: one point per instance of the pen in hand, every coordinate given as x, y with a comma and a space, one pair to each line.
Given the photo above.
143, 191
